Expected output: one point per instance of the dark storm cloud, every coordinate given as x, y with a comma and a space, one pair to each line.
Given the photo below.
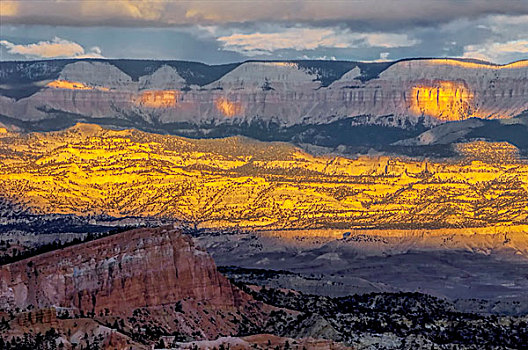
169, 13
227, 31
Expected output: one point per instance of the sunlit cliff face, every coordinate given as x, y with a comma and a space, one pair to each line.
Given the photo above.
519, 64
159, 98
73, 85
280, 64
228, 108
445, 100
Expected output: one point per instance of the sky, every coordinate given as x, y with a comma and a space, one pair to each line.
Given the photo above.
222, 31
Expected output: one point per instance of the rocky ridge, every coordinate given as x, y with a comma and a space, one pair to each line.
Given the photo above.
277, 206
139, 277
210, 311
117, 274
160, 94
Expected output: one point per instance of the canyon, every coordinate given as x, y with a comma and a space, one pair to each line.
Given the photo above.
152, 288
129, 291
119, 281
309, 204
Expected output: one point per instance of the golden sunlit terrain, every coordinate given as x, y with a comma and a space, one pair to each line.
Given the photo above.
475, 65
446, 100
451, 100
238, 182
148, 99
73, 85
281, 64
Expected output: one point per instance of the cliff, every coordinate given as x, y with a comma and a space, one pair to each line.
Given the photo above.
143, 269
157, 94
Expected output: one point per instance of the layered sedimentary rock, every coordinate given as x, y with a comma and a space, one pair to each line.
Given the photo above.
145, 267
123, 291
290, 93
43, 329
153, 281
46, 316
238, 182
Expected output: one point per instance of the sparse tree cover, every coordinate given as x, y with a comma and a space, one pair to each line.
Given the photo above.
403, 316
41, 249
245, 185
46, 341
236, 182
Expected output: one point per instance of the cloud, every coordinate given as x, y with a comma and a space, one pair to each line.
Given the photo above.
169, 13
346, 40
310, 39
8, 8
318, 58
292, 38
384, 56
389, 40
497, 52
51, 49
139, 10
506, 40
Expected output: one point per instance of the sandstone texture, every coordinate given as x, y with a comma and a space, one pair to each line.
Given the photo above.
142, 278
126, 271
236, 182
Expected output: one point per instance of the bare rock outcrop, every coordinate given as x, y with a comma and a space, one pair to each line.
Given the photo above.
144, 268
429, 91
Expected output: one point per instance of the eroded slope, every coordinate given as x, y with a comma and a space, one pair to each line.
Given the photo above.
237, 182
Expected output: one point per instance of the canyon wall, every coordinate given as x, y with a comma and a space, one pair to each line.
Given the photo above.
427, 91
119, 273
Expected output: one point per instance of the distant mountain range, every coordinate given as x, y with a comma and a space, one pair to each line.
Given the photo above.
398, 107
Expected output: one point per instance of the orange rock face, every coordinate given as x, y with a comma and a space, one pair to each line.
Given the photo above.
74, 85
228, 108
159, 99
43, 316
445, 100
142, 277
134, 269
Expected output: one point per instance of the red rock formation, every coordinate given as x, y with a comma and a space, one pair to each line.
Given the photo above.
134, 269
43, 316
144, 278
71, 333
